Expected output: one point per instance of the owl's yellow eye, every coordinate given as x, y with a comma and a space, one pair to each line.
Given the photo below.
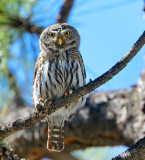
67, 33
51, 35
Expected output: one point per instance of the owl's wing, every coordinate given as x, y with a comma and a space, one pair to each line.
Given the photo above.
80, 59
39, 62
36, 67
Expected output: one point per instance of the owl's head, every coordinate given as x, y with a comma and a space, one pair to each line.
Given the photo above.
59, 36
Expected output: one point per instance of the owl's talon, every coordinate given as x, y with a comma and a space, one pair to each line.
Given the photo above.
41, 100
66, 93
48, 102
70, 91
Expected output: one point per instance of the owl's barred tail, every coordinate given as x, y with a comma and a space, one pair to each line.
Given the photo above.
55, 140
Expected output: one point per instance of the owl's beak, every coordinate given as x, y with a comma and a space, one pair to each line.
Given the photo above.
60, 41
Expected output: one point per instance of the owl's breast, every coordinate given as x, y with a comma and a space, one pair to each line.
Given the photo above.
60, 76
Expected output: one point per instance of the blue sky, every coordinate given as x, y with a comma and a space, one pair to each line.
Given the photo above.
108, 30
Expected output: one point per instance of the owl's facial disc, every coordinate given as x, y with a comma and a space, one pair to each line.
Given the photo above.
59, 37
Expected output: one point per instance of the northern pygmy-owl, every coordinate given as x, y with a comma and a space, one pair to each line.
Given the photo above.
59, 71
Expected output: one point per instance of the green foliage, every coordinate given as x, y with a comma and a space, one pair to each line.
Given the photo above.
2, 143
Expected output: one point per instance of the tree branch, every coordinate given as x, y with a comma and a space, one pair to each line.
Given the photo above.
48, 109
136, 152
65, 11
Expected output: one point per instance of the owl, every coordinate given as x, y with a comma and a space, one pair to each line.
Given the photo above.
59, 71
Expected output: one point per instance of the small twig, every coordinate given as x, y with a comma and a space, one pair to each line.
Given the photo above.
65, 11
36, 117
136, 152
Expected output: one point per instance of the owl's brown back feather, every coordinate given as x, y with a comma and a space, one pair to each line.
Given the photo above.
39, 62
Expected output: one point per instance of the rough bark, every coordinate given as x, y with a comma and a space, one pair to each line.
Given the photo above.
6, 154
136, 152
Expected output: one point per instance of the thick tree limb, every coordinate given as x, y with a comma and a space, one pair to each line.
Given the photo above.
136, 152
65, 11
36, 117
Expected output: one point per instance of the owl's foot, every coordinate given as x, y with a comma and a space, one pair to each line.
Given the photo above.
69, 93
39, 106
65, 93
41, 100
39, 109
47, 103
